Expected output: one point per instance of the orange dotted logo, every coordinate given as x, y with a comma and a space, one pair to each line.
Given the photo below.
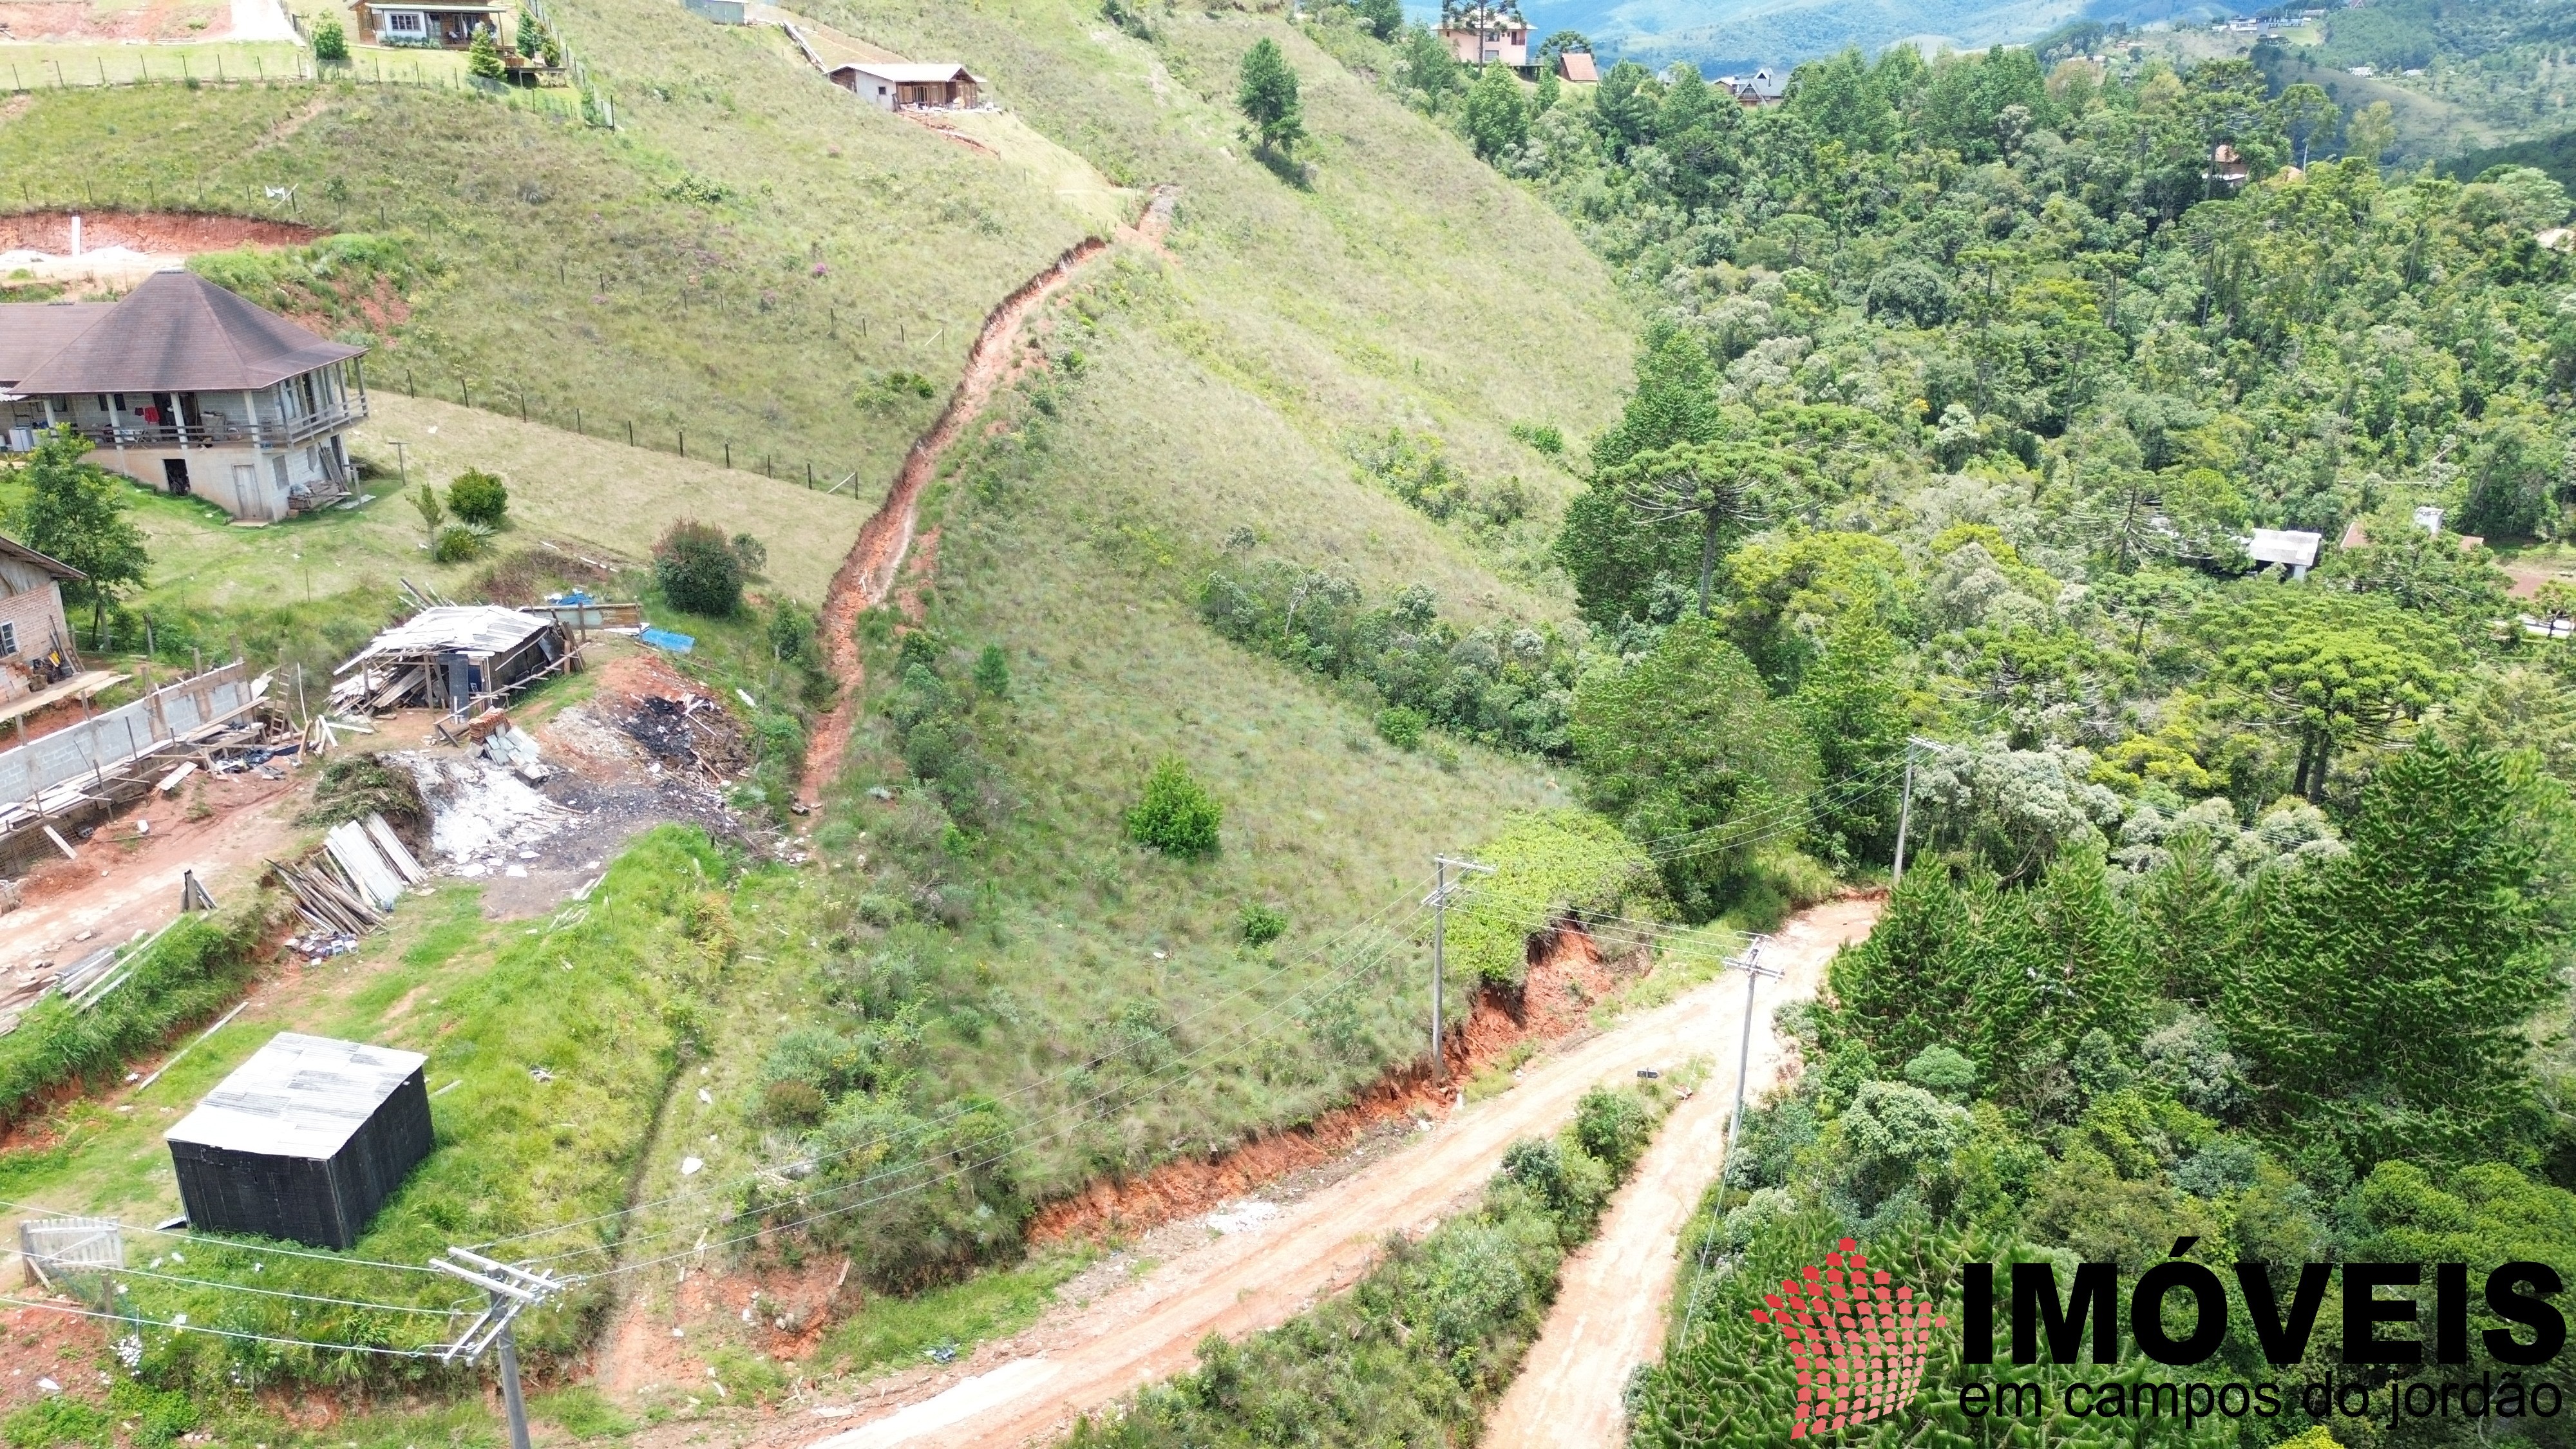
1859, 1340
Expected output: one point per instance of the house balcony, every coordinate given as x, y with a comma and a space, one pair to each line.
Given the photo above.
219, 430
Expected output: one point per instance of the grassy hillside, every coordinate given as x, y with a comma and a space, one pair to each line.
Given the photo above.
745, 259
1005, 963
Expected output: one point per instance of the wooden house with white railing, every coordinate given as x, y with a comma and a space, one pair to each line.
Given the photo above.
190, 389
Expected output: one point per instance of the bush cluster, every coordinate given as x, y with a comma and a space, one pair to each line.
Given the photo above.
700, 571
1505, 685
940, 727
1177, 815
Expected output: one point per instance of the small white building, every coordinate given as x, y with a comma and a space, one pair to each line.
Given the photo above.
2291, 547
190, 389
905, 85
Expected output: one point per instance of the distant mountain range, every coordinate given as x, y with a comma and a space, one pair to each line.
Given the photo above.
1725, 35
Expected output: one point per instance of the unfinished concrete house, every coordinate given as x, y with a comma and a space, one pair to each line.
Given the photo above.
190, 389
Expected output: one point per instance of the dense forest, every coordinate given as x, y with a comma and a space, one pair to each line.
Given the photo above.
2236, 919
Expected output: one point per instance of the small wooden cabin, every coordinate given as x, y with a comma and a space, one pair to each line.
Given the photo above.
903, 85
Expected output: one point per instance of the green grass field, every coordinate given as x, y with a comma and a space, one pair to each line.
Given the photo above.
1220, 389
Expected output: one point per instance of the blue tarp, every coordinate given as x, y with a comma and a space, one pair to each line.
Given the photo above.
665, 639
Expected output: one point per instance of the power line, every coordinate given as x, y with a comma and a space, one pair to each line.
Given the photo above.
220, 1245
278, 1292
180, 1326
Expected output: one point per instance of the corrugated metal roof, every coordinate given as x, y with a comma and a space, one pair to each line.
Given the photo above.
909, 73
2284, 546
469, 628
179, 332
298, 1096
11, 548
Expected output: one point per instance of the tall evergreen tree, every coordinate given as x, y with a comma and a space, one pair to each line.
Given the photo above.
1615, 564
1267, 93
2385, 997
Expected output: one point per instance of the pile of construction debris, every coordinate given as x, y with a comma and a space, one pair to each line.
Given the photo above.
84, 983
688, 732
349, 886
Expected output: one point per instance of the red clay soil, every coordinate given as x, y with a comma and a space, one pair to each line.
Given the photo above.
1554, 1003
158, 232
48, 1344
870, 570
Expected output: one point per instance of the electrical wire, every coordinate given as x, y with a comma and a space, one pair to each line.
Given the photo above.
177, 1327
450, 1312
221, 1245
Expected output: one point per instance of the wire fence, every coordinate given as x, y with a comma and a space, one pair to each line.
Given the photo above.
582, 99
654, 436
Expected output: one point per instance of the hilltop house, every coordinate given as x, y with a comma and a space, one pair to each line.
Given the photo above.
1507, 42
190, 389
441, 24
1765, 87
1576, 67
35, 638
900, 85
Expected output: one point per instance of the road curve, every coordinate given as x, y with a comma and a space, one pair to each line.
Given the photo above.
1255, 1279
1609, 1311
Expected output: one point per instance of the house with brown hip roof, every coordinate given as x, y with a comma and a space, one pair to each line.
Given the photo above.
190, 389
35, 637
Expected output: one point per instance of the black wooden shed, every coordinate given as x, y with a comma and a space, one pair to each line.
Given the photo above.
304, 1141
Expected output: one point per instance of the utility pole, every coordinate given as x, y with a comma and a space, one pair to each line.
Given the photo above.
1750, 963
1438, 901
1905, 810
512, 1289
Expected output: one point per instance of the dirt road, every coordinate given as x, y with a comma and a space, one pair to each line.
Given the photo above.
869, 571
1256, 1278
1609, 1311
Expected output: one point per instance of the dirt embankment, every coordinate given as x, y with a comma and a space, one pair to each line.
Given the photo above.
1552, 1005
160, 233
870, 570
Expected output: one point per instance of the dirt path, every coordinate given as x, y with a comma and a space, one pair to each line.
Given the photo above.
1083, 1358
869, 571
1609, 1311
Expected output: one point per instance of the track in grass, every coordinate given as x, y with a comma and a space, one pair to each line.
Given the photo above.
869, 571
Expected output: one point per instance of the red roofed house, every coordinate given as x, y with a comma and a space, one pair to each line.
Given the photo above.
1576, 67
190, 389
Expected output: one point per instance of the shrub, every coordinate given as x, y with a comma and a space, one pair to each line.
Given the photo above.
483, 55
1177, 815
459, 543
478, 497
1402, 727
330, 41
993, 673
1262, 924
59, 1419
354, 786
700, 573
793, 1103
1614, 1127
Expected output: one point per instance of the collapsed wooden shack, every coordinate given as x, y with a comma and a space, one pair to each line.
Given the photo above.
459, 658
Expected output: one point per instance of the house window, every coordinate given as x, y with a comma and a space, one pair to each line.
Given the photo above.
403, 22
8, 640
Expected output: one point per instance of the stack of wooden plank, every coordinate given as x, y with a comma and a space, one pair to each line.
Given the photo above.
354, 881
